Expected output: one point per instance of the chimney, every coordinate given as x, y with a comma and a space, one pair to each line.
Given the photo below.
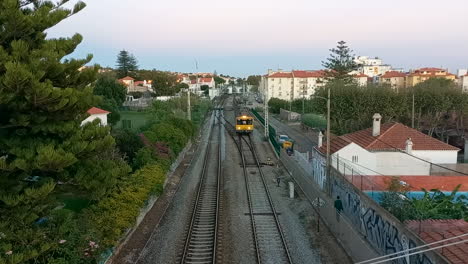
409, 146
376, 126
320, 139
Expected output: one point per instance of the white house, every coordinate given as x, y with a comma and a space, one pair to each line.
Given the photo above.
136, 86
387, 149
195, 85
463, 79
96, 113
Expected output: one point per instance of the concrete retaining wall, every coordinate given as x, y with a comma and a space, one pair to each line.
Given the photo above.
364, 229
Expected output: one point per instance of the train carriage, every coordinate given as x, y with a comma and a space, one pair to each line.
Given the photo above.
244, 124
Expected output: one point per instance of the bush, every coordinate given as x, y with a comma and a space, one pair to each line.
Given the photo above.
314, 121
128, 142
113, 215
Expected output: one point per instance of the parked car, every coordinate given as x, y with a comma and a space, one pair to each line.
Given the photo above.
282, 139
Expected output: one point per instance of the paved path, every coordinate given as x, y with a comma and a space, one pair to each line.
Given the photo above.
304, 140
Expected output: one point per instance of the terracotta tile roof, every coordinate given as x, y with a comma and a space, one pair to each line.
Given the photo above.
137, 83
308, 74
415, 182
206, 80
280, 75
337, 143
128, 78
193, 81
393, 74
96, 111
391, 135
435, 230
396, 134
430, 69
360, 75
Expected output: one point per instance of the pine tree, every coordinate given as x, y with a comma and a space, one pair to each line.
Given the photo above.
43, 100
126, 64
340, 64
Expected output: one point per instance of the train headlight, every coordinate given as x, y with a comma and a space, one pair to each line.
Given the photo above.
249, 128
238, 128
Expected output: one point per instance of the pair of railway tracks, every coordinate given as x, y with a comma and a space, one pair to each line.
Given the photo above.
269, 241
202, 236
201, 244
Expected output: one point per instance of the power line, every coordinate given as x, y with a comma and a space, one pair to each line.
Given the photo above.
411, 249
414, 253
440, 166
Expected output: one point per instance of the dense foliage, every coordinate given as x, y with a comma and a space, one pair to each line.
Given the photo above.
433, 205
43, 146
439, 104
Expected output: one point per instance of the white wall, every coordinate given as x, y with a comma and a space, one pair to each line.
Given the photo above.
365, 163
91, 118
397, 163
437, 156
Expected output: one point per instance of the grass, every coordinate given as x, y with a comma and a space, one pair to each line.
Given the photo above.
138, 119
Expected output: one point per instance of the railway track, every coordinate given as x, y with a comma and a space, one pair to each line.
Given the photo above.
268, 235
202, 237
269, 242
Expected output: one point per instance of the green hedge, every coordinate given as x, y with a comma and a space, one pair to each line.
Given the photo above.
113, 215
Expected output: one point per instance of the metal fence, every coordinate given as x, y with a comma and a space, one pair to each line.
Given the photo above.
271, 132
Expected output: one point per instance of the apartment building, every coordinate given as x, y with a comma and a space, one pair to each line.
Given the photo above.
395, 79
291, 85
371, 66
424, 74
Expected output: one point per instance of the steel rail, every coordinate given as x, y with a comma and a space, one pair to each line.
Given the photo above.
198, 210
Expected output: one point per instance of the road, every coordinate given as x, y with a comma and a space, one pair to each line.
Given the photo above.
304, 140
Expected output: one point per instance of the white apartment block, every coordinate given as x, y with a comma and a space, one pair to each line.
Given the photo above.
371, 66
291, 85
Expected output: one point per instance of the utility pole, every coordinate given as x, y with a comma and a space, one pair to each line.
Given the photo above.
189, 111
412, 114
267, 123
328, 142
303, 98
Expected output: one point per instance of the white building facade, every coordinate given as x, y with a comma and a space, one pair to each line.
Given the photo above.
371, 66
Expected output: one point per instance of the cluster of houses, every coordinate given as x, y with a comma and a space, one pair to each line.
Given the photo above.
298, 84
137, 86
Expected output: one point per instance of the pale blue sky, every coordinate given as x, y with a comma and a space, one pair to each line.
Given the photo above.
244, 37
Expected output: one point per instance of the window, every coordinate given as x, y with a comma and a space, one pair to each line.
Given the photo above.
355, 159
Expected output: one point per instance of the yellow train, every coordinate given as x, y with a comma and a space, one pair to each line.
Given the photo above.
244, 124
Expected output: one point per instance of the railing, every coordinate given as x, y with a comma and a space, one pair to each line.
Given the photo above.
272, 132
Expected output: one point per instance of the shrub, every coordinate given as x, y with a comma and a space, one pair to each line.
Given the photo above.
113, 215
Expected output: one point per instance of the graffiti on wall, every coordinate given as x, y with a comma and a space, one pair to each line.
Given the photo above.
379, 232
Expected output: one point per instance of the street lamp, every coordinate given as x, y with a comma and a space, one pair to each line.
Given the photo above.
328, 135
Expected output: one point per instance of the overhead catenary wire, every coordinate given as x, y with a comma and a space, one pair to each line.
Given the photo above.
413, 253
421, 159
411, 249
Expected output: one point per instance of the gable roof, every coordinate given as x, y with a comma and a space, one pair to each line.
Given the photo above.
392, 135
280, 75
206, 80
393, 74
360, 75
308, 74
97, 111
127, 78
436, 230
395, 135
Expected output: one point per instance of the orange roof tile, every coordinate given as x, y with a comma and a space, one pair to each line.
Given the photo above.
128, 78
360, 75
96, 111
415, 182
396, 134
206, 80
435, 230
280, 75
308, 74
392, 135
393, 74
336, 144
